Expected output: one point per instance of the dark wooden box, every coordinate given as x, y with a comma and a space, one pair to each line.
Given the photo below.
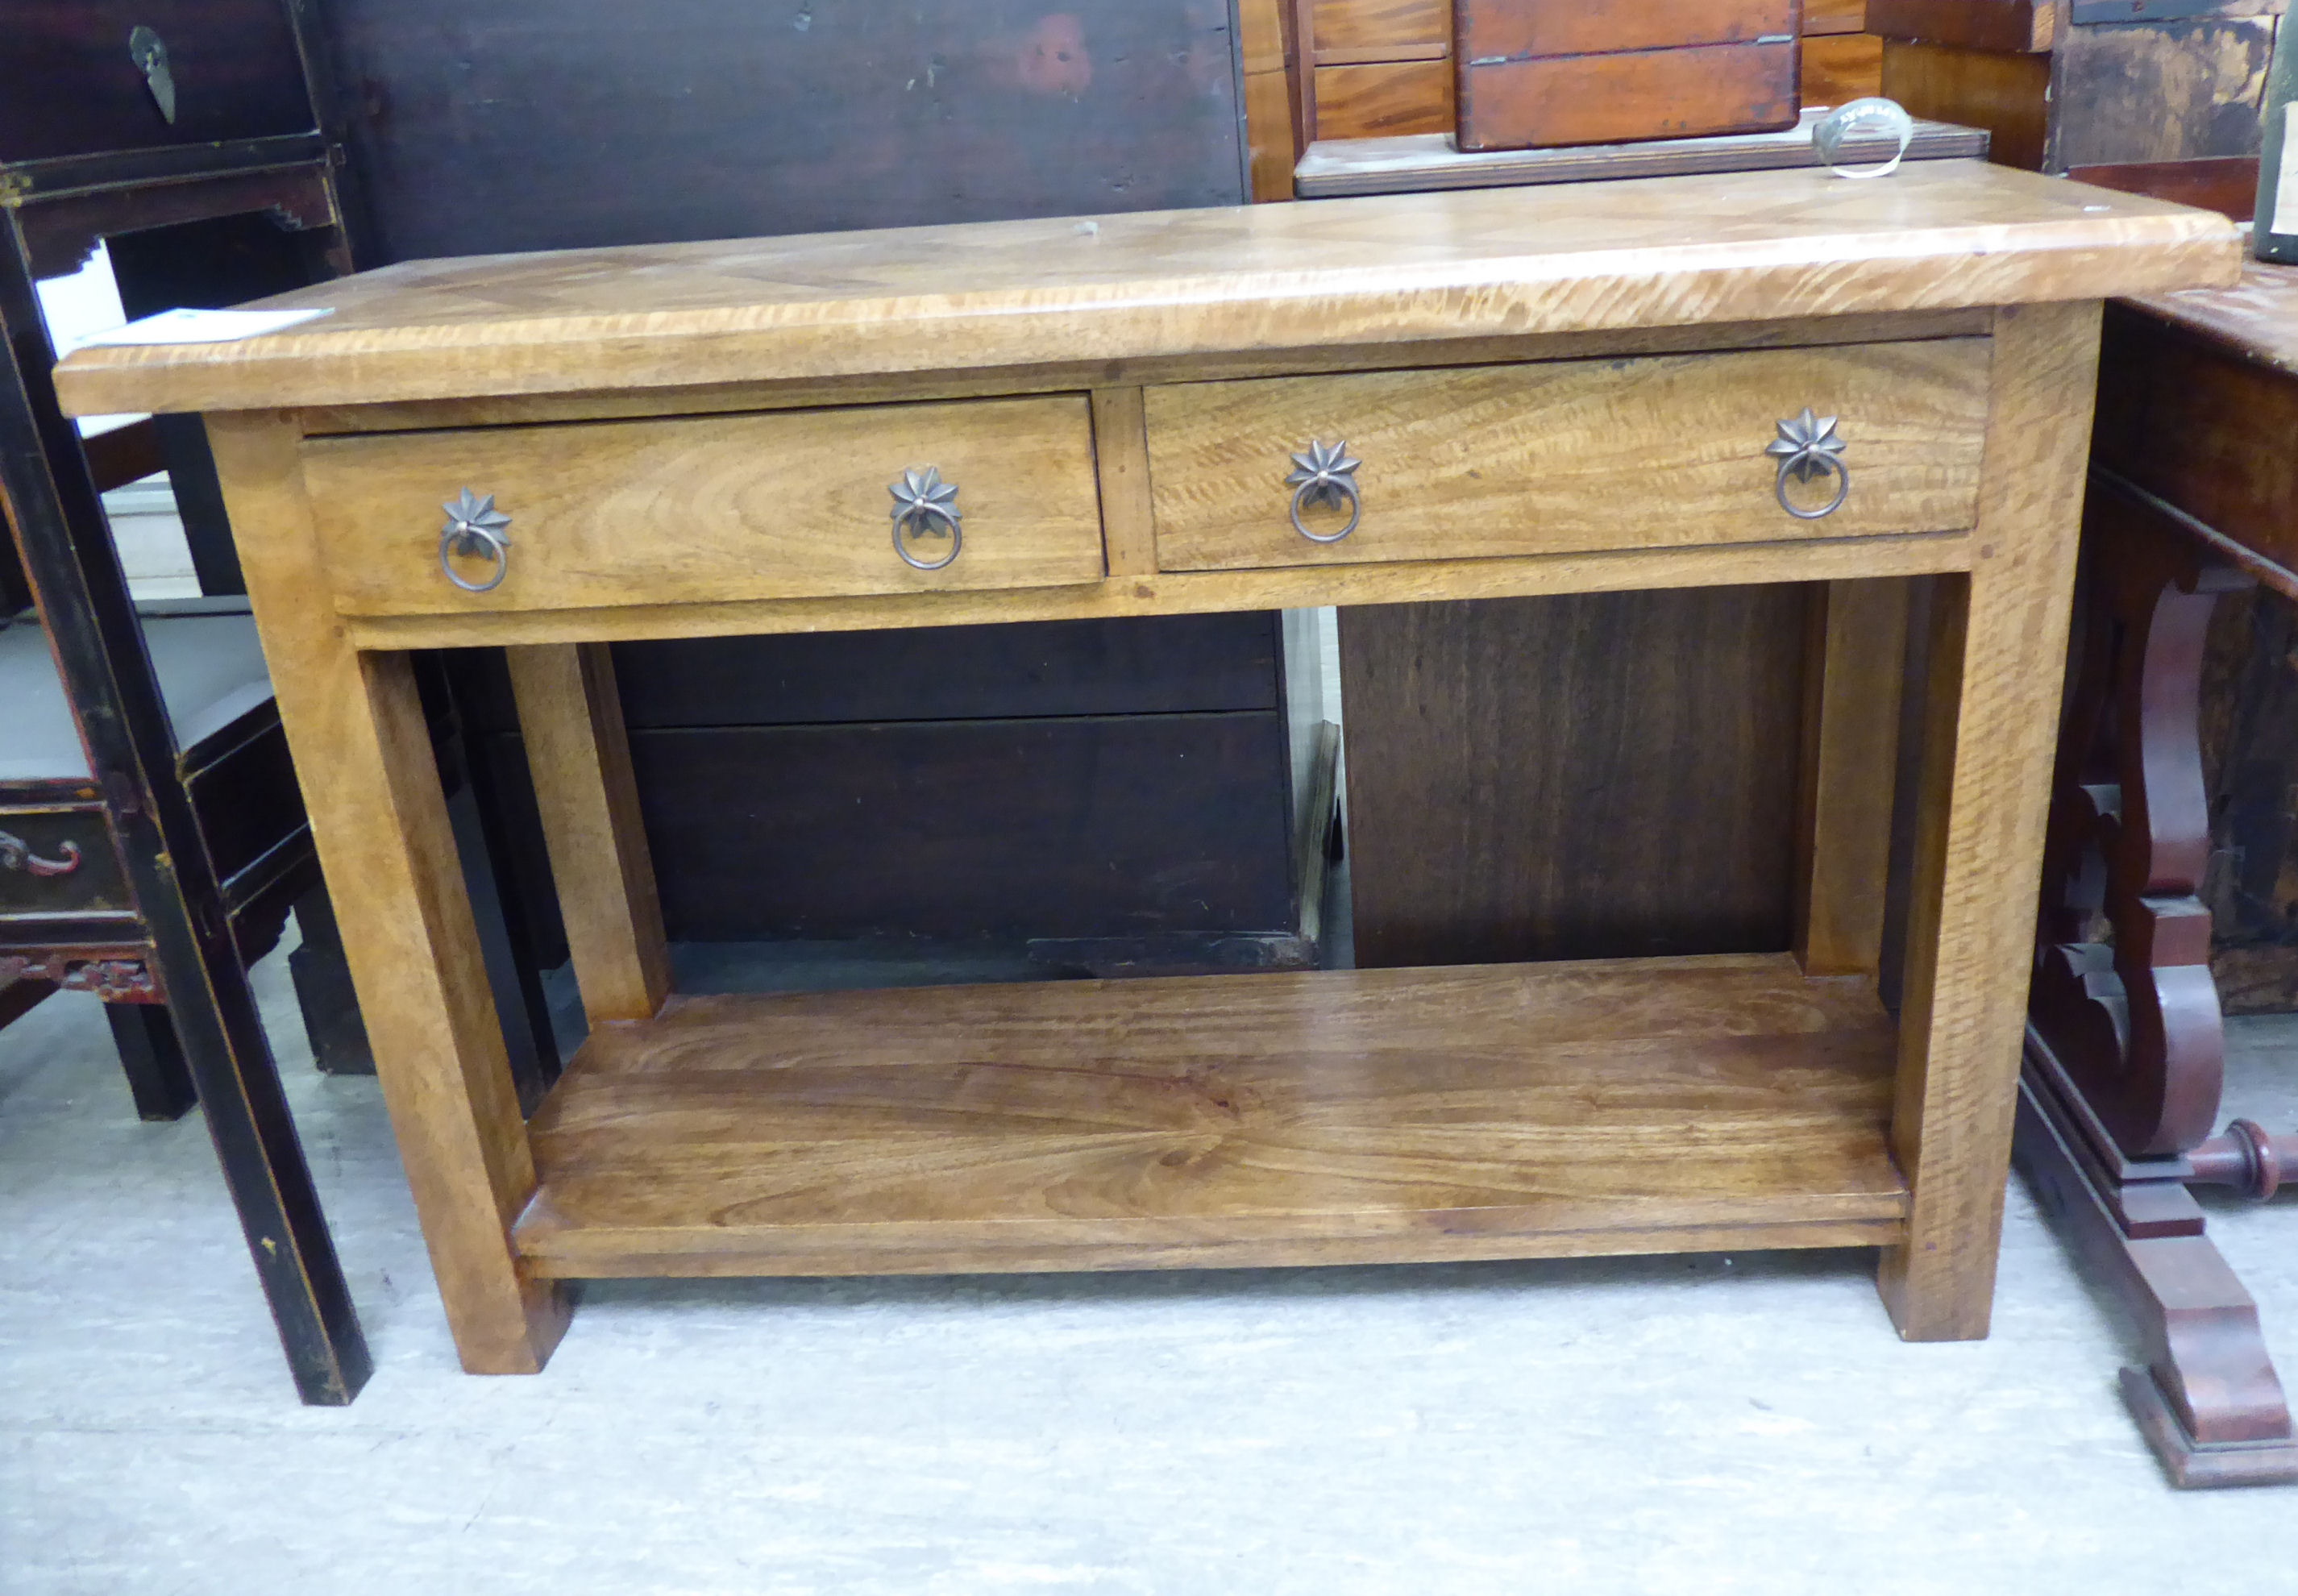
1536, 74
2153, 97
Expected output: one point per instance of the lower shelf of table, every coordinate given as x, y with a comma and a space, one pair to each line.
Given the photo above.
1323, 1116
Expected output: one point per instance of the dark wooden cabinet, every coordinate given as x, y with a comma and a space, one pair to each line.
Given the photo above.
234, 71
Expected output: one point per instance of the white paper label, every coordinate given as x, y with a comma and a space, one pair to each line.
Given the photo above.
203, 326
2286, 182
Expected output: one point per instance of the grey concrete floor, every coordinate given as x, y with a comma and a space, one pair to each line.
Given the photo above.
1715, 1424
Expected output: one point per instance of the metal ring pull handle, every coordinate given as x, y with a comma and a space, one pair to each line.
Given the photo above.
1326, 477
925, 506
16, 853
475, 531
1807, 449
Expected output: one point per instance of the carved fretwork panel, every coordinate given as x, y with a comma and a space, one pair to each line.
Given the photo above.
2122, 983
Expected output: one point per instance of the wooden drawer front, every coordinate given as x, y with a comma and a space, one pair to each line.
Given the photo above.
1514, 28
1554, 102
58, 862
1568, 456
701, 508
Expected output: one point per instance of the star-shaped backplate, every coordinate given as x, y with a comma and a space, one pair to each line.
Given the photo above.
923, 496
1329, 474
468, 518
1807, 444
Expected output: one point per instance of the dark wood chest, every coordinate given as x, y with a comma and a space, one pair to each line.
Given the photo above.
1536, 73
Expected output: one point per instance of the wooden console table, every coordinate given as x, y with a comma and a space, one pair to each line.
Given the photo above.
1567, 390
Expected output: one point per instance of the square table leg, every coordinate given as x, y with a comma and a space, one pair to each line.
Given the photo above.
1998, 651
579, 756
370, 784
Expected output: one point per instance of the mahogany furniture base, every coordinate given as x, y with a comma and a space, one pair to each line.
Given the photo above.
2207, 1398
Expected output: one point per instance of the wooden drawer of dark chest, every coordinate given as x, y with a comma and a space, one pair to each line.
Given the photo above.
58, 861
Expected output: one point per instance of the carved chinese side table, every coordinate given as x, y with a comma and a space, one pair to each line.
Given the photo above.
2193, 494
1754, 377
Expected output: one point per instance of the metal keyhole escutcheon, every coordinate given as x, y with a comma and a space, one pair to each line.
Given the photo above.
1326, 477
475, 531
1807, 449
925, 506
149, 51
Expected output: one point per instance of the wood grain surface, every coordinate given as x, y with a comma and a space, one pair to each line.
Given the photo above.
579, 759
2207, 423
2007, 94
1593, 775
2256, 319
1198, 592
791, 504
1381, 29
1988, 742
1855, 660
1385, 99
1565, 456
1426, 162
1322, 1117
1840, 67
2010, 25
1547, 101
363, 757
1517, 28
1384, 269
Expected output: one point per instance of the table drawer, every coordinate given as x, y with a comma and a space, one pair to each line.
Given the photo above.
58, 862
783, 505
1566, 457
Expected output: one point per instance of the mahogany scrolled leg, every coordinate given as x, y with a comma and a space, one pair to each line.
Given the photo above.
2248, 1158
2126, 1047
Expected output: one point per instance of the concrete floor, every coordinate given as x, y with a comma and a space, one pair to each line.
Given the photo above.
1714, 1424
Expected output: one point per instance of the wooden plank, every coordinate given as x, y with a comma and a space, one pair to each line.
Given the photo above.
1289, 1118
2007, 94
2013, 25
1988, 742
1391, 269
1504, 30
1517, 103
528, 409
1371, 28
363, 755
1121, 452
1841, 69
1381, 99
1826, 17
579, 757
1270, 152
2256, 319
1529, 459
789, 504
2226, 183
1429, 162
1585, 776
1851, 747
1201, 592
2205, 422
1265, 65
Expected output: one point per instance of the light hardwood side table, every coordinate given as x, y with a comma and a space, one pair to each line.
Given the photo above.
1754, 377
